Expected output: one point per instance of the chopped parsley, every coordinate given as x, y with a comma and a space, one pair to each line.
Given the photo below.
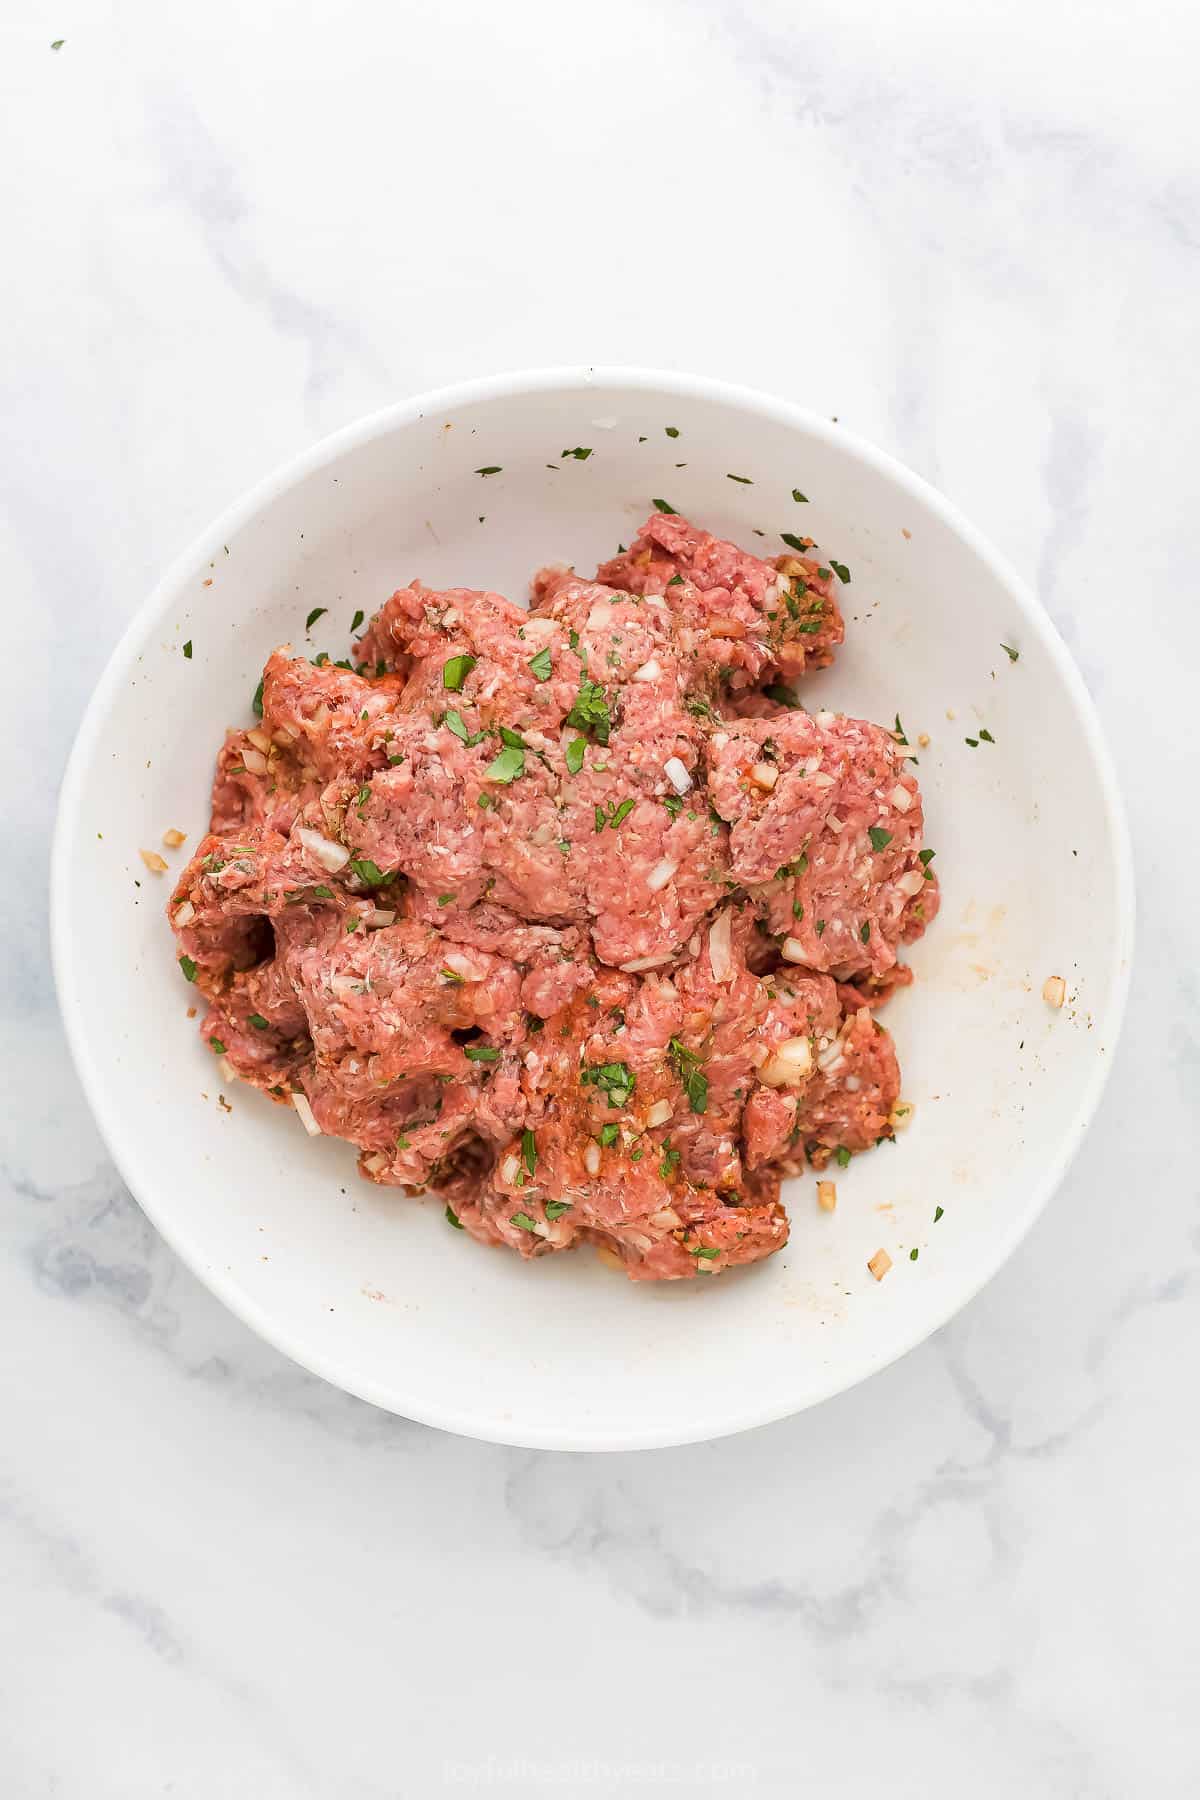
801, 499
986, 736
880, 839
452, 976
188, 967
574, 755
367, 871
258, 1022
898, 733
782, 696
187, 650
841, 571
402, 1143
445, 899
318, 612
481, 1053
540, 665
580, 453
707, 1251
492, 469
671, 430
454, 721
744, 479
664, 506
673, 804
937, 1215
608, 1136
823, 574
913, 1254
675, 581
794, 543
455, 672
843, 1157
590, 712
820, 928
670, 1161
452, 1217
622, 812
691, 1074
1012, 655
216, 1046
972, 742
556, 1208
523, 1221
529, 1152
616, 1079
356, 621
256, 703
926, 856
865, 932
507, 766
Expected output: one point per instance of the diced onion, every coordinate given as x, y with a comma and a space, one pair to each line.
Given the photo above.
720, 939
649, 671
666, 1220
510, 1168
901, 1115
331, 856
793, 950
790, 1063
819, 779
307, 1117
226, 1069
660, 874
825, 719
1054, 991
255, 761
640, 963
600, 615
677, 775
461, 966
374, 1163
879, 1264
721, 625
830, 1059
184, 914
659, 1113
259, 739
172, 838
156, 864
911, 882
591, 1159
901, 797
383, 916
827, 1195
764, 775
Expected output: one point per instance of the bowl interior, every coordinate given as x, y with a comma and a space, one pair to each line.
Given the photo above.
374, 1290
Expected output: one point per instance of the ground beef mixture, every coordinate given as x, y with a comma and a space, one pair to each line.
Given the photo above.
571, 913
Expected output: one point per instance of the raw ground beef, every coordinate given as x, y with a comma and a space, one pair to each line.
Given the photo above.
556, 911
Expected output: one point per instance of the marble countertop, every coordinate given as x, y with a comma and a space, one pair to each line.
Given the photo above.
973, 235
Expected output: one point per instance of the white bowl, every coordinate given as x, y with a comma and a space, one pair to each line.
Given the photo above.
373, 1290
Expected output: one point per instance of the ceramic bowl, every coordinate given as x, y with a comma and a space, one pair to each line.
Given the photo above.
373, 1290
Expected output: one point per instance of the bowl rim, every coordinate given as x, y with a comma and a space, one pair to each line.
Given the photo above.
575, 379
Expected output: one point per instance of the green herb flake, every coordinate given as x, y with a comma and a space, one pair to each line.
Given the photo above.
843, 1157
865, 931
601, 818
402, 1143
782, 696
356, 621
972, 742
367, 871
580, 453
188, 967
1012, 655
744, 479
938, 1214
556, 1208
820, 928
673, 804
797, 910
529, 1152
318, 612
691, 1074
898, 732
258, 1022
622, 812
446, 899
616, 1079
675, 581
452, 976
669, 1163
216, 1046
58, 43
452, 1218
506, 767
799, 498
574, 755
492, 469
485, 1053
986, 736
794, 543
541, 666
706, 1251
256, 703
664, 506
523, 1221
672, 431
926, 856
608, 1136
187, 650
880, 839
841, 571
455, 672
590, 712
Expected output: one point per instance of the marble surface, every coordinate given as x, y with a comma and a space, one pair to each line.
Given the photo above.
973, 235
